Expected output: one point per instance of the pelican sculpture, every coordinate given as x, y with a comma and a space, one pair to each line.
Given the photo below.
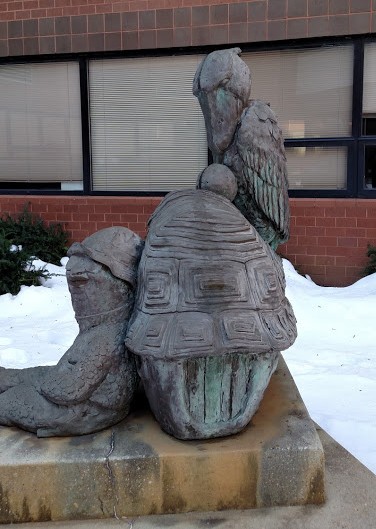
244, 135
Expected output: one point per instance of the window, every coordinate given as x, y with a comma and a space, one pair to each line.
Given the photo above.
40, 126
147, 130
142, 130
310, 90
368, 143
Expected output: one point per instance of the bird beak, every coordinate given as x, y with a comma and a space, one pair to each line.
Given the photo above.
222, 112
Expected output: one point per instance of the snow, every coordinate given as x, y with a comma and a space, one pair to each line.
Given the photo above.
333, 360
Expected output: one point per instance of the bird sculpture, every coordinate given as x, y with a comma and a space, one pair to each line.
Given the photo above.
244, 135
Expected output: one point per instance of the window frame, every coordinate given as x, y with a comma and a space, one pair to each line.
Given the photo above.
354, 143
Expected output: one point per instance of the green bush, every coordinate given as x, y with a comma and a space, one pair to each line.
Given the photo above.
15, 268
371, 254
29, 230
22, 238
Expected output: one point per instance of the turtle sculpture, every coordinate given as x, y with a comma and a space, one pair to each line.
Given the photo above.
210, 314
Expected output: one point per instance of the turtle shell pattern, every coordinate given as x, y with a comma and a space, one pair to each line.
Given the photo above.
208, 284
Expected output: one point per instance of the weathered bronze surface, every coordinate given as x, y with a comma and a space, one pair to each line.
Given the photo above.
210, 316
93, 384
244, 135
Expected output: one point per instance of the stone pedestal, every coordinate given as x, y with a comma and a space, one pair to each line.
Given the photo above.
136, 469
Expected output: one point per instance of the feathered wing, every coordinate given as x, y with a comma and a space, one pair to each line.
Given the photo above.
257, 157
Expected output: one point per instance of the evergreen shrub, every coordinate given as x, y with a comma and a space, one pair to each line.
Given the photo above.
23, 237
371, 266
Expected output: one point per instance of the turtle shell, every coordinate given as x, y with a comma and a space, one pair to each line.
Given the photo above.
208, 284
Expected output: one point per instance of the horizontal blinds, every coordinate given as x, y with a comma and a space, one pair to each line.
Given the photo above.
40, 123
369, 85
147, 129
317, 167
310, 90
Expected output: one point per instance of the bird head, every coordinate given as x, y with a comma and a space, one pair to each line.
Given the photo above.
222, 85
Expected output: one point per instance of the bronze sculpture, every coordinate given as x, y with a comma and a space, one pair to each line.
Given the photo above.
244, 135
210, 316
93, 384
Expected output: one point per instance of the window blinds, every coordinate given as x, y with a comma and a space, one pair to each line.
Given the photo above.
147, 129
310, 90
40, 123
317, 167
369, 86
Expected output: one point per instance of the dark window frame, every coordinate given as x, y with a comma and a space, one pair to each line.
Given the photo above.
355, 143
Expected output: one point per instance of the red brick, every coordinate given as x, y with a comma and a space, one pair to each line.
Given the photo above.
30, 4
314, 211
306, 221
371, 233
71, 11
355, 232
38, 13
315, 270
105, 8
325, 222
296, 249
345, 222
50, 217
298, 230
86, 225
316, 250
46, 3
55, 12
71, 208
312, 231
87, 10
23, 15
81, 217
65, 3
129, 217
365, 223
335, 211
55, 207
306, 259
38, 208
356, 211
307, 241
138, 5
7, 15
95, 217
344, 250
325, 260
354, 272
353, 260
79, 235
149, 208
327, 241
113, 217
98, 208
349, 242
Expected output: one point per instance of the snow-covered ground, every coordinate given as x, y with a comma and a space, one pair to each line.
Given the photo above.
333, 360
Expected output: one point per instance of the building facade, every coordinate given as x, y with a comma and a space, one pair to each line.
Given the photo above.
98, 121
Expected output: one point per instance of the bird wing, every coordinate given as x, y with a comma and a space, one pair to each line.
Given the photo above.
260, 147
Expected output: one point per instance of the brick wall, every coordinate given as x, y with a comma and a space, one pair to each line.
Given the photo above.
328, 241
32, 27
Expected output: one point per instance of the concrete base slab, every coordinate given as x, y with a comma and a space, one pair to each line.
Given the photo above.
136, 469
